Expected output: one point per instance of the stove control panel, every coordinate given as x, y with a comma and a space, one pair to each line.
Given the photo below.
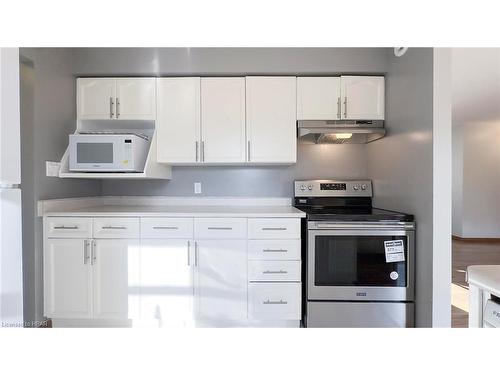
333, 188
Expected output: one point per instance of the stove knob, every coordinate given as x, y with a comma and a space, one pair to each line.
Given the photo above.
310, 187
356, 187
302, 187
363, 187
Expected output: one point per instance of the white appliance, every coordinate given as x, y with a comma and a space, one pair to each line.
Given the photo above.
11, 278
107, 152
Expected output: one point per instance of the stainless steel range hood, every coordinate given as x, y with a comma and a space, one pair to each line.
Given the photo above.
340, 131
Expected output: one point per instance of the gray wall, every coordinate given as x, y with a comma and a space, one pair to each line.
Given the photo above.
400, 164
48, 110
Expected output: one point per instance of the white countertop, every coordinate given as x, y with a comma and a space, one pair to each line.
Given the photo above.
485, 277
174, 207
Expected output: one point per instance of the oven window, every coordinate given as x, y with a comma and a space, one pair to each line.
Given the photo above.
96, 153
357, 261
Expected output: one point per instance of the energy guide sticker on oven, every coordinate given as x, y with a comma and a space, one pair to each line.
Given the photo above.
394, 251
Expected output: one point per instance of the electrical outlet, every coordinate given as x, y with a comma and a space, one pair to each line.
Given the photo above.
52, 168
197, 187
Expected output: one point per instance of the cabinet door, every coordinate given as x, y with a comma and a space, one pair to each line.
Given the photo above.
166, 282
318, 98
67, 278
223, 120
271, 119
115, 274
363, 98
178, 124
96, 98
221, 280
136, 98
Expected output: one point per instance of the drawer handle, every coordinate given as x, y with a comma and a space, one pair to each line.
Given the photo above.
66, 227
175, 228
113, 227
280, 302
274, 272
274, 250
280, 228
220, 228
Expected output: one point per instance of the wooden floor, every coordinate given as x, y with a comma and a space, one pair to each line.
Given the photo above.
464, 254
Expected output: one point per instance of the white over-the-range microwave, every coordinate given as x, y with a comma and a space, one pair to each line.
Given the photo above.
107, 152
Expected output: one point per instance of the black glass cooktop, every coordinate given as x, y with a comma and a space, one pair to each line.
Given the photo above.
353, 214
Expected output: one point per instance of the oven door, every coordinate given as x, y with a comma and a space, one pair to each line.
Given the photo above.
98, 153
347, 262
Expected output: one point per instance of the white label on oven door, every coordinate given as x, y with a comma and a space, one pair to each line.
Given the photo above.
394, 251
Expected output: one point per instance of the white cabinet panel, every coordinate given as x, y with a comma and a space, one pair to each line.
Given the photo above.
274, 249
280, 301
279, 228
166, 227
67, 278
68, 227
166, 282
178, 123
221, 228
363, 98
223, 120
221, 280
116, 227
318, 98
274, 270
136, 98
96, 98
115, 275
271, 119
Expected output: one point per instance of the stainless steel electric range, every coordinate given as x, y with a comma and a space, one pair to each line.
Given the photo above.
359, 260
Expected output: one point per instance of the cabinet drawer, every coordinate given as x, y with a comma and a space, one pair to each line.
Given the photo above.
116, 227
220, 228
273, 228
274, 270
166, 227
274, 249
279, 301
69, 227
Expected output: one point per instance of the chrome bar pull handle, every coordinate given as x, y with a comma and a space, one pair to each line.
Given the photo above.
339, 107
274, 228
111, 104
280, 272
274, 250
195, 254
202, 157
160, 227
196, 151
113, 227
345, 107
280, 302
93, 252
219, 228
248, 150
189, 252
117, 107
66, 227
86, 255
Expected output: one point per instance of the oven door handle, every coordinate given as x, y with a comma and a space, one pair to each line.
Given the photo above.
382, 225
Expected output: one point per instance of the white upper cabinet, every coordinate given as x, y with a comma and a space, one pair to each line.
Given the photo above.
116, 98
271, 119
341, 98
178, 121
363, 98
67, 278
136, 98
96, 98
318, 98
223, 120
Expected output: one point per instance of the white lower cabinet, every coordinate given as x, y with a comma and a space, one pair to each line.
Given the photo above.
175, 272
221, 280
67, 278
115, 275
166, 282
